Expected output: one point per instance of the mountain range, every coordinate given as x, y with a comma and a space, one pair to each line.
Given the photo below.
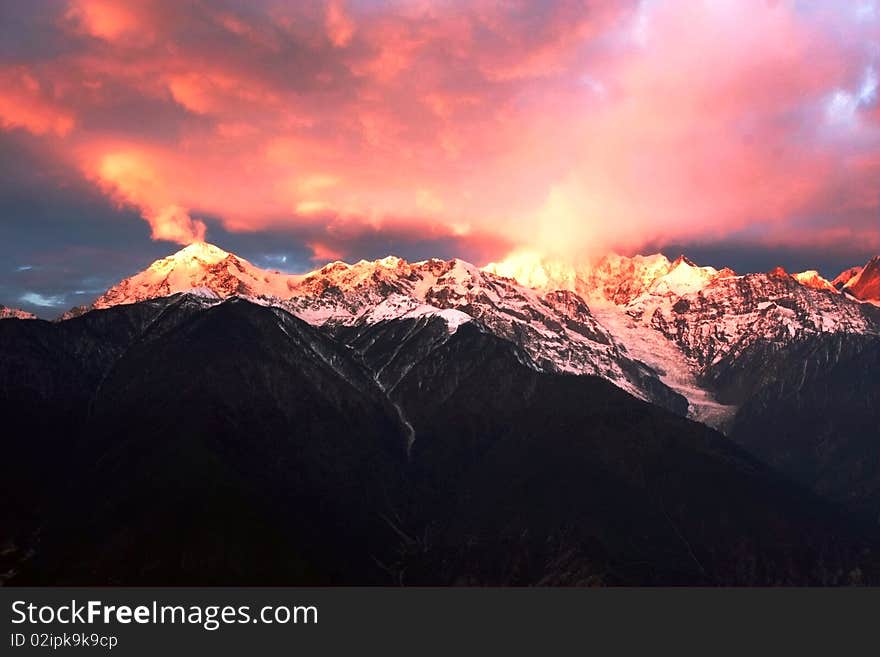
625, 421
15, 313
662, 330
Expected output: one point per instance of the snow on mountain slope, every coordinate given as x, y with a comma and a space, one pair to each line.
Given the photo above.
812, 278
15, 313
725, 318
611, 278
652, 347
683, 277
557, 330
199, 268
535, 271
642, 340
649, 325
681, 319
731, 314
397, 306
736, 309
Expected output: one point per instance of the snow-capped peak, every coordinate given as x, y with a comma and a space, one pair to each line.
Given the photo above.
398, 306
202, 268
676, 316
197, 252
812, 278
557, 329
610, 278
682, 260
391, 262
534, 270
683, 277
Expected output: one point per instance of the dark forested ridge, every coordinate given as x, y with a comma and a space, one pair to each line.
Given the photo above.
182, 441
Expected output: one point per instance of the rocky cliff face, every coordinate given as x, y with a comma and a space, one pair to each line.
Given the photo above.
865, 285
731, 315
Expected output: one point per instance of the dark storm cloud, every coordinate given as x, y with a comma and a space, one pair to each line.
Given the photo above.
59, 235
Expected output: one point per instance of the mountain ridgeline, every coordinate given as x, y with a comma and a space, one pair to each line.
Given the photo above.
632, 422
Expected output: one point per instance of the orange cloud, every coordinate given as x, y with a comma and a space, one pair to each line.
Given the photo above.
218, 93
340, 27
542, 124
23, 104
107, 19
324, 253
133, 178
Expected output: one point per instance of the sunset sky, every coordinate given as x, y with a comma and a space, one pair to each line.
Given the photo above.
743, 132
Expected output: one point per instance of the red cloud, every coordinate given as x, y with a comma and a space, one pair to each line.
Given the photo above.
323, 253
134, 178
340, 27
24, 103
560, 125
113, 21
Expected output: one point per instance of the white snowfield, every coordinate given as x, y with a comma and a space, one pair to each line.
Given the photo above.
616, 317
675, 370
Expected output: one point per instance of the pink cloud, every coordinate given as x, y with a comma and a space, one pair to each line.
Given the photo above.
133, 177
340, 27
24, 103
323, 253
564, 126
112, 21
